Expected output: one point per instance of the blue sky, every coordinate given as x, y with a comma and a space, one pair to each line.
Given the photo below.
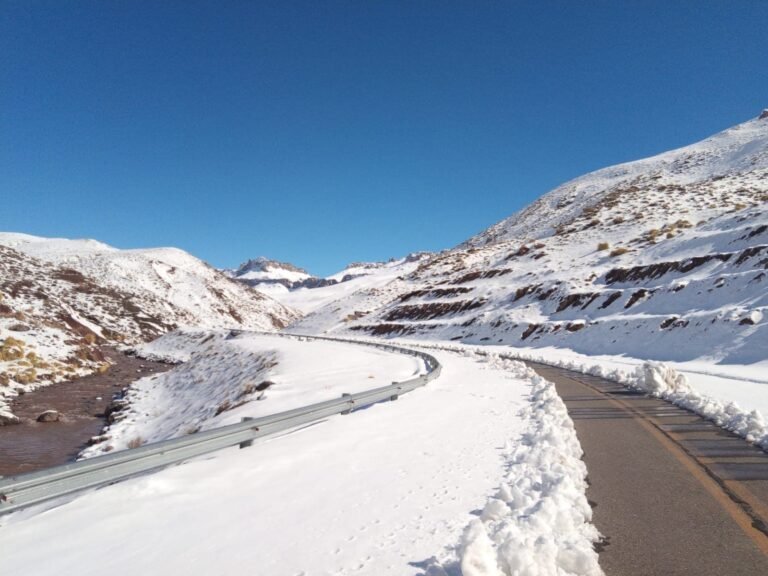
327, 132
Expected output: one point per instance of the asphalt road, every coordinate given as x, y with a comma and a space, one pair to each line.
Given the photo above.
672, 493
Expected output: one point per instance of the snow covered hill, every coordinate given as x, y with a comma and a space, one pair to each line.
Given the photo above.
344, 291
664, 258
298, 289
61, 299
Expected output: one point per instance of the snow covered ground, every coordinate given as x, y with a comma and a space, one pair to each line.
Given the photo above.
480, 472
734, 396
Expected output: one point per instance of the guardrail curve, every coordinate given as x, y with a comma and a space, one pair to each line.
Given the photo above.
31, 488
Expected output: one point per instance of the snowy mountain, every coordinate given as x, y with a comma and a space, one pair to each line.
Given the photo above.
347, 286
269, 276
662, 258
60, 299
298, 289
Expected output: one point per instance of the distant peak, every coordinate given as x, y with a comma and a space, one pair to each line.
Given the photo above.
262, 264
763, 115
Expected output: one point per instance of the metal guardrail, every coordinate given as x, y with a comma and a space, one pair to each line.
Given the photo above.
24, 490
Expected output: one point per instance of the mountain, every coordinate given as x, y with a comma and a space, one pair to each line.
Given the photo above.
296, 288
60, 299
340, 290
662, 258
269, 276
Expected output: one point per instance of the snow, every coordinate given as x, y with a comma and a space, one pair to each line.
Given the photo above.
682, 280
479, 473
61, 249
289, 275
538, 523
391, 489
729, 150
170, 283
224, 378
371, 278
734, 397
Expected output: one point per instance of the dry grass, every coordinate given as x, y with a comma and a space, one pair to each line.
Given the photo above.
603, 246
619, 251
135, 442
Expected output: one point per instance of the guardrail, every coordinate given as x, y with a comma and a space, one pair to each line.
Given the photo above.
24, 490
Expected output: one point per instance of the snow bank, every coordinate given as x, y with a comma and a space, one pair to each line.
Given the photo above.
215, 378
180, 345
662, 381
539, 521
654, 378
665, 382
226, 375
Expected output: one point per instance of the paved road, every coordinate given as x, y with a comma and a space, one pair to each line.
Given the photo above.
672, 493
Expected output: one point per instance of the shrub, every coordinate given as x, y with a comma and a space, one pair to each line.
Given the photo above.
11, 349
619, 251
135, 442
603, 246
26, 377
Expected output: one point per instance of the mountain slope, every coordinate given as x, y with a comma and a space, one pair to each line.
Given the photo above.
62, 299
663, 258
344, 292
168, 283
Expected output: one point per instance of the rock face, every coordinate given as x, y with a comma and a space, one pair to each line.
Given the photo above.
49, 416
763, 115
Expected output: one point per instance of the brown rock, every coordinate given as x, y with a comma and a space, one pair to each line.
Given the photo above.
6, 419
48, 416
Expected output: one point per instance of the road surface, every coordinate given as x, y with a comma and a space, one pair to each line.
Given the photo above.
672, 493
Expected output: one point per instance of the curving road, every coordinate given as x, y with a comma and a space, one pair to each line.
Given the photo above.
672, 493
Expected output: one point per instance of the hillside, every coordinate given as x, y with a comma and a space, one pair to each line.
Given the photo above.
663, 258
343, 293
60, 300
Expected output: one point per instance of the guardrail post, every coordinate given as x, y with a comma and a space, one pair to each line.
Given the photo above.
345, 412
394, 396
246, 443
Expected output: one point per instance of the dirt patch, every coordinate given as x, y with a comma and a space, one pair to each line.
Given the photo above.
434, 293
432, 310
577, 301
654, 271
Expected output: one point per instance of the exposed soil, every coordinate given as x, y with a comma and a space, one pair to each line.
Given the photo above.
81, 404
432, 310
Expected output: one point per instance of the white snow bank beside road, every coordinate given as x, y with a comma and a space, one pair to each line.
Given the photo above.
734, 397
539, 521
378, 492
665, 382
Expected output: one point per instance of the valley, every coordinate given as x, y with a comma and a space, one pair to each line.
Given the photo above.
579, 338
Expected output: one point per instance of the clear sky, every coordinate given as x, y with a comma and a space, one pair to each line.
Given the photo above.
324, 132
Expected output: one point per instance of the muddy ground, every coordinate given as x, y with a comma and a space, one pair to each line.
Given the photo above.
81, 403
